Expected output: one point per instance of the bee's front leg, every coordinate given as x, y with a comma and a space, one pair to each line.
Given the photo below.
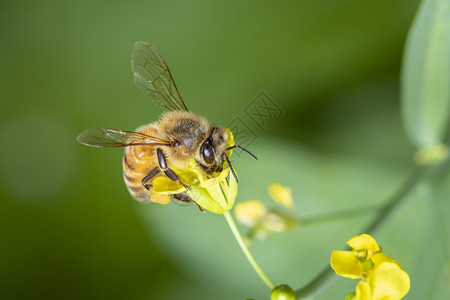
149, 176
168, 171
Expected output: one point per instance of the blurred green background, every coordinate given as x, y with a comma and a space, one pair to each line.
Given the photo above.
69, 228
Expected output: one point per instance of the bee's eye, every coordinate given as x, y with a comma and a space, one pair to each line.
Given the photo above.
208, 153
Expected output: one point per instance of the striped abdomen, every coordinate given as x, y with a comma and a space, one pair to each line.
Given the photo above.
138, 161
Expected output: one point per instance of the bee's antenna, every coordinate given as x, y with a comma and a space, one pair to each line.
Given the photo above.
242, 148
231, 167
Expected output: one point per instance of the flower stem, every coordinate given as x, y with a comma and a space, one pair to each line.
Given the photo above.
247, 253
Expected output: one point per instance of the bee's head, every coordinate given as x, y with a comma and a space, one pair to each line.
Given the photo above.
212, 150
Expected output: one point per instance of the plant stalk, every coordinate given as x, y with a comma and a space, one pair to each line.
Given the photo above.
246, 251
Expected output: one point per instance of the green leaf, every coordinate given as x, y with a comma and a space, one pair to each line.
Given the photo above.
426, 75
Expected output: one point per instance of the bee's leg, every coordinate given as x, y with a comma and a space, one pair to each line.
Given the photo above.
168, 171
149, 176
183, 197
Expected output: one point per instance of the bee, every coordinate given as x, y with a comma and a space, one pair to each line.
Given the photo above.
155, 149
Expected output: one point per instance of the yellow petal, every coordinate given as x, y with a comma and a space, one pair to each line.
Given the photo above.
363, 291
281, 194
389, 282
160, 198
230, 141
379, 258
215, 195
232, 192
164, 185
364, 242
215, 180
249, 212
346, 264
203, 198
191, 174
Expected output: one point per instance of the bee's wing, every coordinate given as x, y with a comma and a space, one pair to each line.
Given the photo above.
107, 137
153, 77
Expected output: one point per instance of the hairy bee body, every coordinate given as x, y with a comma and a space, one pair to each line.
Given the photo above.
187, 132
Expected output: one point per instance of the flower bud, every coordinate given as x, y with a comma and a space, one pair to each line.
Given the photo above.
282, 292
250, 212
281, 194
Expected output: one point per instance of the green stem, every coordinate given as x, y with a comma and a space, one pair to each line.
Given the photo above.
247, 253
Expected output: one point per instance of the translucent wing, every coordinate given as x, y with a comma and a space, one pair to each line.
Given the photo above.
153, 77
107, 137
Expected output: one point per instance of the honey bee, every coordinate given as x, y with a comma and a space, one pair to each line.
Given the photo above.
179, 135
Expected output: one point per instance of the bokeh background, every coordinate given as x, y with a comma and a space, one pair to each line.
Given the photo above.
69, 228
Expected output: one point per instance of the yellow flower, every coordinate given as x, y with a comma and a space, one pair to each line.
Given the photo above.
382, 277
264, 221
250, 212
254, 214
216, 192
281, 194
354, 264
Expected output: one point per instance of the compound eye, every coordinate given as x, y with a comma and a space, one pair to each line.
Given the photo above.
208, 153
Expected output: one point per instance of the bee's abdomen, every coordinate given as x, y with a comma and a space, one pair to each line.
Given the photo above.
135, 186
137, 163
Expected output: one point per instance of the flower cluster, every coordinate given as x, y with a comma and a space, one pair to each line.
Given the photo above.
216, 192
382, 278
264, 221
